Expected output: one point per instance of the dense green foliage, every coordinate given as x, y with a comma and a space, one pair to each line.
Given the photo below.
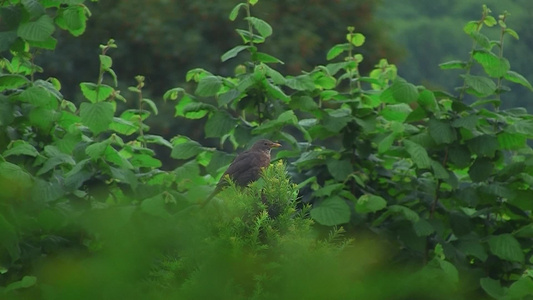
433, 194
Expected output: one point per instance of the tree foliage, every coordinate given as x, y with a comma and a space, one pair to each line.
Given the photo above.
433, 194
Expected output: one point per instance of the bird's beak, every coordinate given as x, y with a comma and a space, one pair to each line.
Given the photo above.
275, 145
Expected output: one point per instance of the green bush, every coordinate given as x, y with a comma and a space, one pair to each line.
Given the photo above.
433, 195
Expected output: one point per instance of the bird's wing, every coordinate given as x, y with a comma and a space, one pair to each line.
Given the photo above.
246, 167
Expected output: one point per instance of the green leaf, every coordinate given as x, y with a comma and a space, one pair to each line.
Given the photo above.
493, 65
492, 287
152, 105
95, 93
21, 147
264, 29
506, 247
8, 234
481, 39
473, 248
186, 150
396, 112
38, 30
43, 118
460, 156
286, 118
97, 116
145, 161
235, 11
403, 91
357, 39
11, 82
512, 33
454, 64
484, 145
332, 211
482, 85
276, 92
219, 124
301, 83
208, 86
423, 228
439, 171
25, 282
521, 289
155, 206
96, 150
481, 169
511, 141
441, 132
418, 154
265, 58
339, 169
336, 51
409, 214
518, 78
233, 52
370, 203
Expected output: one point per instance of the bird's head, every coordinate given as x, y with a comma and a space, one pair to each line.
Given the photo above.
265, 145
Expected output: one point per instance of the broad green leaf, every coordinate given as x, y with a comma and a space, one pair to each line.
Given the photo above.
141, 160
286, 118
460, 156
33, 7
155, 139
264, 29
473, 248
512, 141
427, 100
370, 203
96, 93
233, 52
21, 147
173, 94
8, 82
40, 97
276, 92
106, 61
441, 132
409, 214
396, 112
403, 91
484, 145
43, 118
470, 27
97, 150
482, 85
123, 126
385, 144
339, 169
336, 51
481, 39
481, 169
301, 83
25, 282
469, 122
97, 116
506, 247
186, 150
418, 154
155, 206
522, 288
492, 287
454, 64
219, 124
438, 170
423, 228
493, 65
38, 30
328, 189
219, 160
518, 78
208, 86
13, 181
265, 58
357, 39
332, 211
228, 97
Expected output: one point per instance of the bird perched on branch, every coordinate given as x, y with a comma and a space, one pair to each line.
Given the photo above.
246, 167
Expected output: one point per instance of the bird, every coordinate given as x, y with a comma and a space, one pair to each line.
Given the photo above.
247, 166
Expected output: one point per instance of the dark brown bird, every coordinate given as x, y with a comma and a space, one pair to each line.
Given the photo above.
246, 167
